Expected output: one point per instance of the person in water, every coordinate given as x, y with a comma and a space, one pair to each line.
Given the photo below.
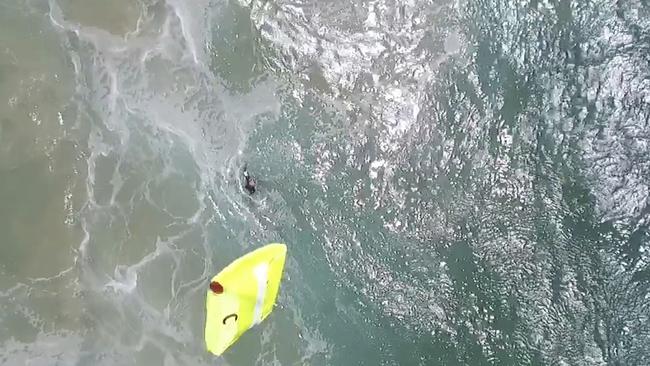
251, 184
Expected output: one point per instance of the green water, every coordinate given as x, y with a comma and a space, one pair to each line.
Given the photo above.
458, 182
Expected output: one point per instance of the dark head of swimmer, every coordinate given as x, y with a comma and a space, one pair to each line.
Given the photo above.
251, 184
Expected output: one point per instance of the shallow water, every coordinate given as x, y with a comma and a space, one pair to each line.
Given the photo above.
458, 182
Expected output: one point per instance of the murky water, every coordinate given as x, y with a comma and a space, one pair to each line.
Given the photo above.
458, 182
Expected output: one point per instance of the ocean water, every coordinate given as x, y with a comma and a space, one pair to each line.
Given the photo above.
458, 182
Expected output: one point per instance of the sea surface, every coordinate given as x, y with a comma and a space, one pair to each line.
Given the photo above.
459, 182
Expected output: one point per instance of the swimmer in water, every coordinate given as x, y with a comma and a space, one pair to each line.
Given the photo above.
250, 182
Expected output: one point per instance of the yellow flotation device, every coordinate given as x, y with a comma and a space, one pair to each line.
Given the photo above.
242, 295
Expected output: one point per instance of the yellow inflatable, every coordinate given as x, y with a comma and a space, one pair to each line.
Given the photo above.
242, 295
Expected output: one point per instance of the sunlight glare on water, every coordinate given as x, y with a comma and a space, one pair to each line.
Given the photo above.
458, 182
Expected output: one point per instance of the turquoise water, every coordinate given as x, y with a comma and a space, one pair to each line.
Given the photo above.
458, 182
